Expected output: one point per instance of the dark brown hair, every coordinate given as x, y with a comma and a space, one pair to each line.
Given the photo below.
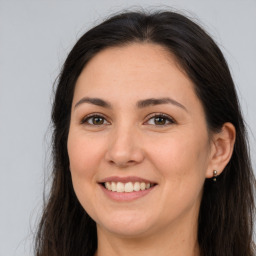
227, 208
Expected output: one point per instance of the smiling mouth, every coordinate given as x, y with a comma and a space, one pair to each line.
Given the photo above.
127, 187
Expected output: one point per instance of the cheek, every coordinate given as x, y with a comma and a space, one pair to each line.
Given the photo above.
84, 157
84, 154
182, 161
179, 151
182, 164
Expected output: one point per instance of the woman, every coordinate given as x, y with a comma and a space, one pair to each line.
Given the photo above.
149, 145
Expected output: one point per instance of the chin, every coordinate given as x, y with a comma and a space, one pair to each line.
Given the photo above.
126, 225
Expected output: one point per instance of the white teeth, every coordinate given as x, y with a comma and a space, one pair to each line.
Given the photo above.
127, 187
113, 186
142, 186
120, 187
108, 185
136, 186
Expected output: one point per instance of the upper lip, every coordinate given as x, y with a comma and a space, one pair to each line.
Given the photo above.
126, 179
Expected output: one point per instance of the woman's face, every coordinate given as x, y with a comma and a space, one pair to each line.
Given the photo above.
138, 127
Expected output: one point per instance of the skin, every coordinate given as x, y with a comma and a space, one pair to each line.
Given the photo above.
177, 155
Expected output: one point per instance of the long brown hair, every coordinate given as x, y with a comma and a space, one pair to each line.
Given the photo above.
227, 208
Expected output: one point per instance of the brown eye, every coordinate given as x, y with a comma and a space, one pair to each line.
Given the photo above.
160, 120
94, 120
97, 120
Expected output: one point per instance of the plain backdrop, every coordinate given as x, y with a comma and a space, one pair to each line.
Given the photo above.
35, 38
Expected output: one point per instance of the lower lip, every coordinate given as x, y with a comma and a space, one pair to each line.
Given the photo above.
126, 196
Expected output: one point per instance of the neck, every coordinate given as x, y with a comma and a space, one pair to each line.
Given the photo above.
175, 241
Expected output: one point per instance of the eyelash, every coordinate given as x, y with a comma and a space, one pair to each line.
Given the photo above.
167, 118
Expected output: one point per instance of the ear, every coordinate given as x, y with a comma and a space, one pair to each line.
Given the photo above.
222, 145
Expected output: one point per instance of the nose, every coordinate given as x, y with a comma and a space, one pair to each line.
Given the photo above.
125, 148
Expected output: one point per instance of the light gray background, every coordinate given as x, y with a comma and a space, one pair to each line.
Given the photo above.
35, 37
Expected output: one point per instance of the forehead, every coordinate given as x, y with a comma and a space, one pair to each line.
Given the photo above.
147, 69
131, 58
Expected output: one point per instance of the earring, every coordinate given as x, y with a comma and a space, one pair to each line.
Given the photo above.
215, 174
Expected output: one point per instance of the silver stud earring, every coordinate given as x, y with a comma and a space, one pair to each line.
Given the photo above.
215, 174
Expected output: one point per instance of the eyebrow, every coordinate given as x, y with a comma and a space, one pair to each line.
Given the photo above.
94, 101
140, 104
